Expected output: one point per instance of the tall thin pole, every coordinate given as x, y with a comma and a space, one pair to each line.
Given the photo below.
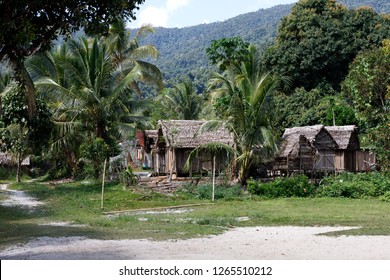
213, 196
103, 179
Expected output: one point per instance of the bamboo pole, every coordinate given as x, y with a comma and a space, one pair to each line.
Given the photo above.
213, 196
103, 179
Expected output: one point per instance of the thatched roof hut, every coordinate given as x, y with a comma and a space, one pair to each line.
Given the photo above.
316, 137
325, 148
349, 156
184, 134
177, 138
291, 145
306, 148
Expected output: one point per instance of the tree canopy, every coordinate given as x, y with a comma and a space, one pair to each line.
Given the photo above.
320, 38
368, 87
227, 51
29, 26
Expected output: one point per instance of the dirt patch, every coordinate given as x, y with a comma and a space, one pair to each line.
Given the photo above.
267, 243
18, 198
270, 243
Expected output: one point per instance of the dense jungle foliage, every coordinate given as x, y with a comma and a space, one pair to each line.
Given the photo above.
315, 62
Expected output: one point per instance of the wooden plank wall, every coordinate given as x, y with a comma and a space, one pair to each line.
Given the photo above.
363, 160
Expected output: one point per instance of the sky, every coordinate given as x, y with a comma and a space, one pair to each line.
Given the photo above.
184, 13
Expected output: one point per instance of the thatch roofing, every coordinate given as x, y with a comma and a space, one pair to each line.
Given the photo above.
310, 132
184, 134
345, 136
151, 134
292, 138
290, 145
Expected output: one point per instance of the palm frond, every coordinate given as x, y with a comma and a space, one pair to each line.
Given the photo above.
209, 126
144, 52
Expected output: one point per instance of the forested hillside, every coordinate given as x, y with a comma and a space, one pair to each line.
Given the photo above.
380, 6
182, 50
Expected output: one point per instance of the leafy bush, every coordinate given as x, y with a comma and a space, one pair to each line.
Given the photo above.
355, 185
128, 177
385, 197
7, 173
296, 186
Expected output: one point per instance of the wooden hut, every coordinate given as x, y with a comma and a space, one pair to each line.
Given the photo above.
349, 157
175, 141
347, 140
306, 149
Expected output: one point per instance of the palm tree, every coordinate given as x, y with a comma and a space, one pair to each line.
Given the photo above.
240, 99
182, 101
128, 52
5, 80
91, 94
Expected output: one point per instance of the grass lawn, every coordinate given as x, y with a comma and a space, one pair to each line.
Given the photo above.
79, 203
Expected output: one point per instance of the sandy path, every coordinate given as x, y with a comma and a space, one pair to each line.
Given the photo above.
19, 198
271, 243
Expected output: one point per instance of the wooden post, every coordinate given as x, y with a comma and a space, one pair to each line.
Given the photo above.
103, 179
213, 196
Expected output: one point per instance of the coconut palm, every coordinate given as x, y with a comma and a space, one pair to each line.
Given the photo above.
91, 94
128, 52
182, 101
240, 99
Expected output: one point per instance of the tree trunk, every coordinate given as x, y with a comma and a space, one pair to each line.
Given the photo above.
23, 78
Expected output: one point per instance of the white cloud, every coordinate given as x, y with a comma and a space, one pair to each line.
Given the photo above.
154, 16
173, 5
159, 16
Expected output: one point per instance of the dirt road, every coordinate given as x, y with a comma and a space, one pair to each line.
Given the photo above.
268, 243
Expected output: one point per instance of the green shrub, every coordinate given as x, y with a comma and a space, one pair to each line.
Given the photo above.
385, 197
358, 185
7, 173
296, 186
128, 177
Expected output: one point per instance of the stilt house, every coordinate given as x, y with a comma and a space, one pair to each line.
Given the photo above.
322, 149
307, 149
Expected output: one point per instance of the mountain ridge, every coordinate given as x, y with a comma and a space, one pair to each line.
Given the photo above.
182, 50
